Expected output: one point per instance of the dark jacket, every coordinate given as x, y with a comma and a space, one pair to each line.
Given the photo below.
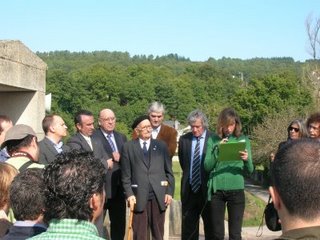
137, 177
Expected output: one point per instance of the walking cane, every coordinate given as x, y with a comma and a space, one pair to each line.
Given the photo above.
130, 222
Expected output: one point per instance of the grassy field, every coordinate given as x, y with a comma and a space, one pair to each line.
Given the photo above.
254, 205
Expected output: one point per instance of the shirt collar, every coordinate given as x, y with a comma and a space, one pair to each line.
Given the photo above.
203, 135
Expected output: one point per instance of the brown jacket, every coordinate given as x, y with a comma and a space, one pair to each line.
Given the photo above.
168, 135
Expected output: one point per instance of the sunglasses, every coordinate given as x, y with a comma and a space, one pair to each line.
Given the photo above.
294, 129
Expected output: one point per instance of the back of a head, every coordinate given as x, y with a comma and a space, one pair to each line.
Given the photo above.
71, 180
4, 118
27, 198
47, 122
296, 175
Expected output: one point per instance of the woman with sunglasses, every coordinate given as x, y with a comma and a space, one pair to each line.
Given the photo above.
296, 130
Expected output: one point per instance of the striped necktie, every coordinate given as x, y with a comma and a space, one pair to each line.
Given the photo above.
196, 181
111, 143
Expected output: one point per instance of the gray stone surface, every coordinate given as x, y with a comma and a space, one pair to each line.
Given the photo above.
22, 85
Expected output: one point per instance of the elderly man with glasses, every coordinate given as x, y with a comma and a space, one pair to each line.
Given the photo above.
147, 179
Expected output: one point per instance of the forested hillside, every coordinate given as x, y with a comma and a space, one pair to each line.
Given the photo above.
259, 89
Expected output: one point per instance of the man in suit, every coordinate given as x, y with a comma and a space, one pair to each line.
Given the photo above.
82, 140
161, 131
147, 179
112, 142
194, 178
51, 145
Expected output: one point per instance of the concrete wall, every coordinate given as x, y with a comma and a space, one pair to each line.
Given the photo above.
22, 85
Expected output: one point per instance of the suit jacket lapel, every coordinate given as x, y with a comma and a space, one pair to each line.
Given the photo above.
50, 146
189, 146
84, 143
138, 152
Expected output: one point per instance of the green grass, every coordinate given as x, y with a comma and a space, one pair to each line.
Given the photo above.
254, 205
253, 211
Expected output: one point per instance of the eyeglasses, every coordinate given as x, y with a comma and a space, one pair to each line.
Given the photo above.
294, 129
109, 119
145, 127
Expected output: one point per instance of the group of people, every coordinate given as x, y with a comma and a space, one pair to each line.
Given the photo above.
146, 183
72, 186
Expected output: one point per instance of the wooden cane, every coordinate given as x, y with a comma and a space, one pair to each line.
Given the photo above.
130, 222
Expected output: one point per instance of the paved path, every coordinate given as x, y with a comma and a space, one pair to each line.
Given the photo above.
250, 233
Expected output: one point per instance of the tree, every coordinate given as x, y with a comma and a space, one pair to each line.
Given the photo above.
267, 135
313, 28
312, 68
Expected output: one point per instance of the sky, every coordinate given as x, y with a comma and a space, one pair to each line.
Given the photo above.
194, 29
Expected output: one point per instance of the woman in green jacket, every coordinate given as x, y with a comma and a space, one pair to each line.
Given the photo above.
226, 181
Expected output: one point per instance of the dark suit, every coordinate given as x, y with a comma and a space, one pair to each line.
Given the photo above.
116, 203
168, 135
77, 141
140, 178
48, 152
193, 204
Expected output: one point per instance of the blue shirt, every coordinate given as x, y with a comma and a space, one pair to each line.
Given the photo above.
193, 146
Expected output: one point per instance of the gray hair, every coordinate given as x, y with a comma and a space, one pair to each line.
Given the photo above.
197, 114
156, 107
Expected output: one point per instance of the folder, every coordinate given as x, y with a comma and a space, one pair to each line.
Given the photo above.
229, 151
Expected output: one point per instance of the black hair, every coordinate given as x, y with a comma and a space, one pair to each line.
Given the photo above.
27, 198
295, 175
71, 181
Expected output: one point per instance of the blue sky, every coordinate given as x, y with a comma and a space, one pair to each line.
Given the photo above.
193, 29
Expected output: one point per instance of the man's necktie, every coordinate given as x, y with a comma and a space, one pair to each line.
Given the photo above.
111, 143
196, 181
144, 149
89, 142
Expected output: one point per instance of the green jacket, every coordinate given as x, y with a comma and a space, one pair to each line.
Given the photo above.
226, 175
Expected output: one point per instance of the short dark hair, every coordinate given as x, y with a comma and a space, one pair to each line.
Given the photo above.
313, 118
27, 198
47, 122
77, 117
295, 175
15, 145
71, 180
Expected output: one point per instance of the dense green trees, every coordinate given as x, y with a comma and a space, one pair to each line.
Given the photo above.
257, 88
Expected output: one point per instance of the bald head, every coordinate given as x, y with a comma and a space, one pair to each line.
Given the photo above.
107, 120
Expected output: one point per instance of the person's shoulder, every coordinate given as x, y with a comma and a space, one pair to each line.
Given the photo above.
43, 142
131, 142
74, 138
168, 128
123, 136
